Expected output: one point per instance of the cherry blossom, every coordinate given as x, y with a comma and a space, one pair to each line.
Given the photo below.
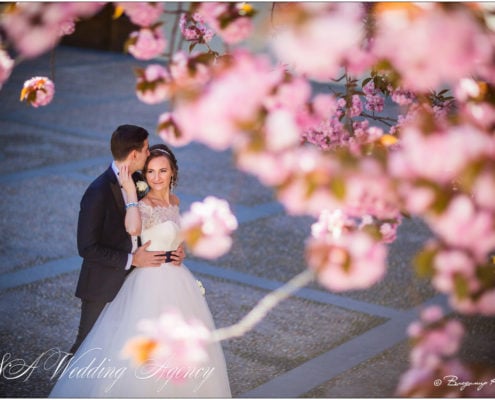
335, 31
189, 73
169, 340
207, 227
147, 44
6, 66
35, 28
351, 261
435, 340
247, 80
231, 21
331, 223
169, 132
401, 96
374, 102
464, 226
153, 84
411, 37
38, 91
464, 143
194, 29
144, 14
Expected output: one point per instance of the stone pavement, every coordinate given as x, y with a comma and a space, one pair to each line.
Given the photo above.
315, 344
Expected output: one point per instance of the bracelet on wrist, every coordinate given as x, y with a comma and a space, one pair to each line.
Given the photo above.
131, 204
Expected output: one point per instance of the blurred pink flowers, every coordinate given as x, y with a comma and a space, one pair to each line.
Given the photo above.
153, 84
246, 80
38, 91
231, 21
168, 342
465, 227
207, 226
169, 132
143, 14
334, 30
412, 38
146, 43
352, 261
343, 257
435, 341
35, 28
465, 143
6, 65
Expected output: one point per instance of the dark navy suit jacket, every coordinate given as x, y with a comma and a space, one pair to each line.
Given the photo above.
102, 240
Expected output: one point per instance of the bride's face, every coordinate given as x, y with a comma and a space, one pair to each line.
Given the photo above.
159, 173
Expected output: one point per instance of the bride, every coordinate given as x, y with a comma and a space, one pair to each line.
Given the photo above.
97, 368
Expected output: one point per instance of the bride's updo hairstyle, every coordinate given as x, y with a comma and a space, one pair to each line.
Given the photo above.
162, 150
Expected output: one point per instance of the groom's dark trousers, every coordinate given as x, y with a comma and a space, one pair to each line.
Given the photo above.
104, 245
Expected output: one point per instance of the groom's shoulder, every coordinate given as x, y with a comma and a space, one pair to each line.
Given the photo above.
101, 181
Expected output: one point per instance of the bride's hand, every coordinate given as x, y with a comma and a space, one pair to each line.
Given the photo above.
178, 255
125, 179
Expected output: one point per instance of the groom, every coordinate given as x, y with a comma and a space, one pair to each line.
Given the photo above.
108, 251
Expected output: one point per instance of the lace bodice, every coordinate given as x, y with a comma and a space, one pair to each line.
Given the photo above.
151, 216
160, 226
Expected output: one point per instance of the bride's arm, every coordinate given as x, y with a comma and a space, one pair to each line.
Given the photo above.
132, 215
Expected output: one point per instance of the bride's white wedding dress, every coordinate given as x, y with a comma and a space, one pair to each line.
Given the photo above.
97, 369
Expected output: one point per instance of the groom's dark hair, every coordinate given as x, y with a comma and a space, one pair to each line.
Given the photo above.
125, 139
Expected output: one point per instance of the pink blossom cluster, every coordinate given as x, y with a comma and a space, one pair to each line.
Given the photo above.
340, 244
167, 129
435, 340
6, 66
334, 30
246, 80
38, 91
144, 14
231, 21
434, 337
465, 226
356, 107
465, 144
401, 96
169, 339
412, 36
343, 259
434, 368
470, 94
190, 72
193, 28
329, 134
34, 27
147, 43
453, 194
374, 101
153, 84
207, 227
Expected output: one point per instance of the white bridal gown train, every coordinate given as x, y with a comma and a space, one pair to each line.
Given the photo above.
97, 369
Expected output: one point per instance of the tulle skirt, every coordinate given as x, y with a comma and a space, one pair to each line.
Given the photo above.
98, 369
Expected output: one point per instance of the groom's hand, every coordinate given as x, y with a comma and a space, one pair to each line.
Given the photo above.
144, 258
